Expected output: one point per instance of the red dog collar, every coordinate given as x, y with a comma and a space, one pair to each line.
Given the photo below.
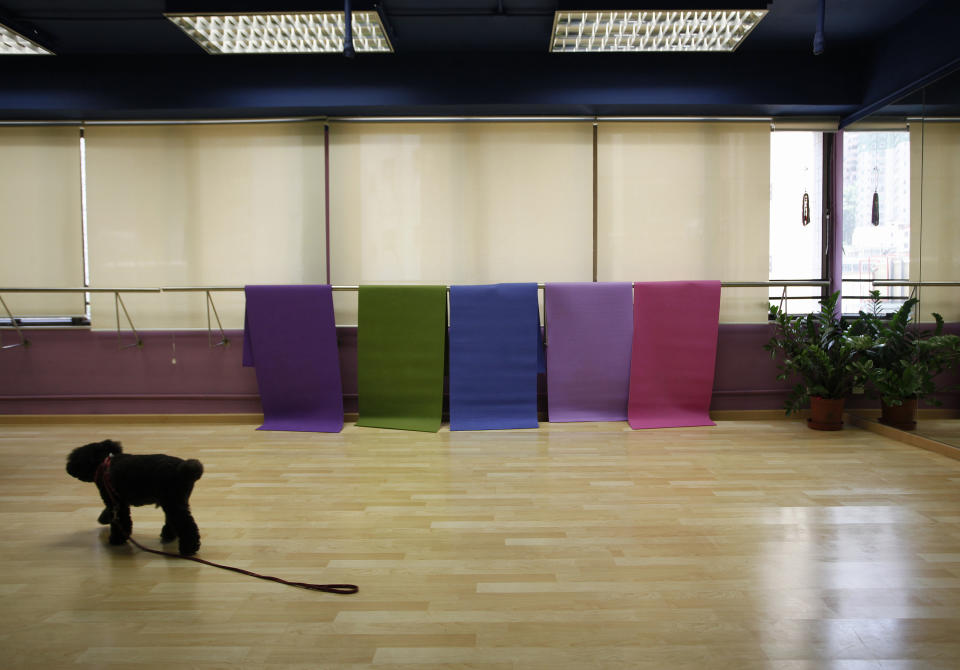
102, 478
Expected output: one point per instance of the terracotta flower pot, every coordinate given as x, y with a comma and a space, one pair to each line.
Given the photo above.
826, 413
902, 416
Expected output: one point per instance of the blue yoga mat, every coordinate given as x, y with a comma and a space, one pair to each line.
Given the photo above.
496, 350
289, 337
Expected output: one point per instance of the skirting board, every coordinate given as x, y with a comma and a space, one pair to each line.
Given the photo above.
914, 440
243, 419
235, 419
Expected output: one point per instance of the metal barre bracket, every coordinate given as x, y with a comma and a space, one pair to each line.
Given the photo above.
118, 303
224, 342
24, 342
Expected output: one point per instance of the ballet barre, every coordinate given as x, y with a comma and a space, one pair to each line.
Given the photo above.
914, 286
118, 304
904, 282
785, 283
213, 314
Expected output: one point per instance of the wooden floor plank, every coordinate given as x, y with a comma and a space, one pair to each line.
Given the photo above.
751, 544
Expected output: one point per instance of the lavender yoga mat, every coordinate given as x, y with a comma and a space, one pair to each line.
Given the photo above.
674, 353
289, 337
589, 335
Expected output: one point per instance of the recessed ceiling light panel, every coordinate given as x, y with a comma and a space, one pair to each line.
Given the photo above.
306, 32
13, 43
653, 30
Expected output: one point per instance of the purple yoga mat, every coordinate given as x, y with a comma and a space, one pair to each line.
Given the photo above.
589, 335
674, 353
289, 337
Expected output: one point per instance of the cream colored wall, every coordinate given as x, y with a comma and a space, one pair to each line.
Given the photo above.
459, 203
183, 205
682, 201
443, 203
41, 238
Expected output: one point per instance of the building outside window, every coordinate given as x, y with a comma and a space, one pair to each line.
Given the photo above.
796, 168
875, 247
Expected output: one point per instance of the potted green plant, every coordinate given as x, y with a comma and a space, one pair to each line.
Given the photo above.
818, 349
904, 361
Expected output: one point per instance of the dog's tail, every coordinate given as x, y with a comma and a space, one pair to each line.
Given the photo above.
191, 469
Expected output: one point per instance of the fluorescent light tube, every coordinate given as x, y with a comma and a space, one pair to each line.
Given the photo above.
13, 43
274, 33
653, 30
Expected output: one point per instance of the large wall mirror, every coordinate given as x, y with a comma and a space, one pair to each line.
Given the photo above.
932, 117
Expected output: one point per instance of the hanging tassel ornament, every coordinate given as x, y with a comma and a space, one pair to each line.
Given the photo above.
805, 213
875, 212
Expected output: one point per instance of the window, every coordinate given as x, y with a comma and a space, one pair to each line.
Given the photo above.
796, 169
876, 245
458, 203
686, 200
41, 232
202, 205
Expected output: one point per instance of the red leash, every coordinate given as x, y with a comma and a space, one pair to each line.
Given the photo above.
103, 476
343, 589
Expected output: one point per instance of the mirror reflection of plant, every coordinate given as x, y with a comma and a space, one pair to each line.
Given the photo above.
904, 361
822, 350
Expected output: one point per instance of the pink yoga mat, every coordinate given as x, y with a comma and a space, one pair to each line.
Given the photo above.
674, 353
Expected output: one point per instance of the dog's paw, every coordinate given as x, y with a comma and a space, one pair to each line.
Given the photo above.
117, 539
106, 516
168, 534
188, 548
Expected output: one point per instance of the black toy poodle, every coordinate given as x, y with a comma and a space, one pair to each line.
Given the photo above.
126, 479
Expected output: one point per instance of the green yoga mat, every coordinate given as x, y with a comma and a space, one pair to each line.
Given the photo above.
401, 333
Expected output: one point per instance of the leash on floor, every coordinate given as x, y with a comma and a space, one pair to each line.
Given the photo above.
341, 589
102, 476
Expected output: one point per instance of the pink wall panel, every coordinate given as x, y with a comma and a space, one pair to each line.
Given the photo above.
85, 372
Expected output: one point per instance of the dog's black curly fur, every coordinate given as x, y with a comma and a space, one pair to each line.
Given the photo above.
157, 479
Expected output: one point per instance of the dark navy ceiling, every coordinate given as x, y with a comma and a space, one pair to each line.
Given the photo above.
120, 59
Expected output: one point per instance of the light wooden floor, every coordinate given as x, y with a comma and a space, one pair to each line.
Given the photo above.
747, 545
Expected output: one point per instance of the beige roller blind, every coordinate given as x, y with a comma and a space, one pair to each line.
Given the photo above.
188, 205
459, 203
935, 173
687, 201
41, 236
